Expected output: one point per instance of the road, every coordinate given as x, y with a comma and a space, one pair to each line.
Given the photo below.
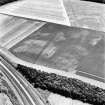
28, 95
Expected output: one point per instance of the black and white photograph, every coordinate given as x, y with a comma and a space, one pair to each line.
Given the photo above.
52, 52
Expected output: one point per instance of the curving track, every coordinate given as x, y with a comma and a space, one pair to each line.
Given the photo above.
28, 95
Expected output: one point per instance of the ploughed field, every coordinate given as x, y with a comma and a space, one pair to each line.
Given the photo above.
69, 49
